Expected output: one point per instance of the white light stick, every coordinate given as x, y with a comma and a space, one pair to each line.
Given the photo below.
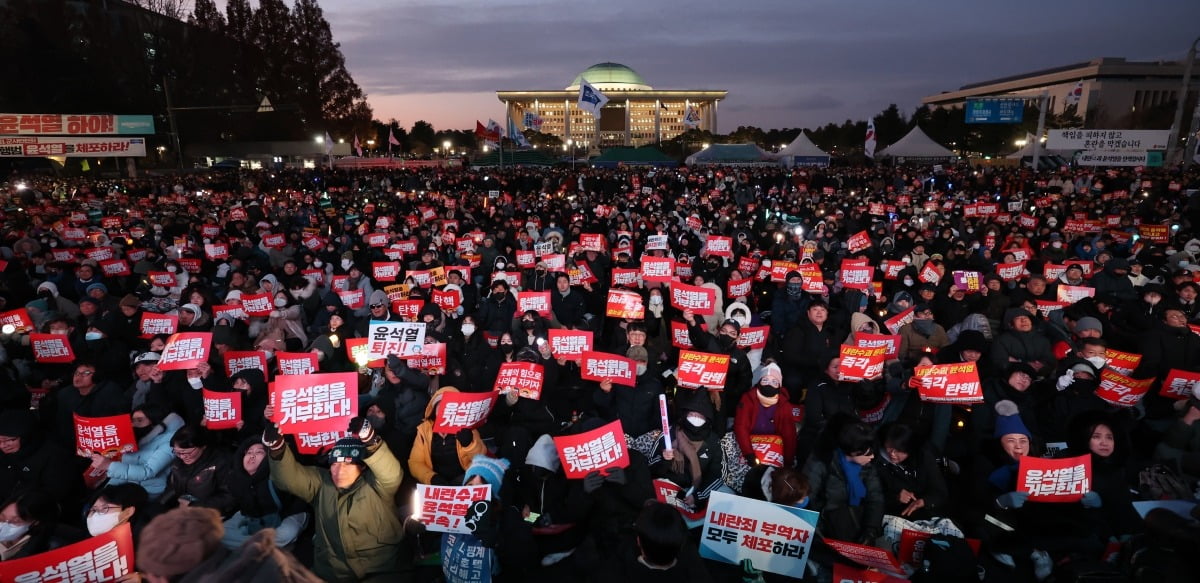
666, 425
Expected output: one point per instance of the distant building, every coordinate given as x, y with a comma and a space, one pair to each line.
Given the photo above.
1115, 91
636, 113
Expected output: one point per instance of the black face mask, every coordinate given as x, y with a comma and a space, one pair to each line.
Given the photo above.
725, 342
140, 432
695, 433
527, 325
795, 289
768, 392
506, 348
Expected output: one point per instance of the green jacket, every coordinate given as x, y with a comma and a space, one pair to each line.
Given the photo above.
357, 532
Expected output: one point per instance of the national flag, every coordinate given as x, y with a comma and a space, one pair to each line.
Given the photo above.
392, 141
691, 117
328, 145
869, 147
357, 146
515, 134
590, 98
495, 129
486, 134
1076, 94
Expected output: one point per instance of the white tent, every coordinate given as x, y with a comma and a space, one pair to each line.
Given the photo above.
731, 154
802, 152
1047, 158
916, 146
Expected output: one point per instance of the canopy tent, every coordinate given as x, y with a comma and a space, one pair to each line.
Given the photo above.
1047, 159
514, 158
731, 154
802, 152
644, 156
917, 146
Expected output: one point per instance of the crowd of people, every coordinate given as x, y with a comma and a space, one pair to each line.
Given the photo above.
1046, 282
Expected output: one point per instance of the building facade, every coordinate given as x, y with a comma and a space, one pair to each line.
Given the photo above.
1116, 93
636, 113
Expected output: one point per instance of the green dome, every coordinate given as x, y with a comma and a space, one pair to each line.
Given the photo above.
610, 76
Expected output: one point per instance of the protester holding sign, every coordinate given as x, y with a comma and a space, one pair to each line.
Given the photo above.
694, 461
149, 466
766, 410
442, 459
87, 396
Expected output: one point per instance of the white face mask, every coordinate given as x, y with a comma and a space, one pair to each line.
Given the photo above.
346, 263
280, 302
499, 265
641, 370
196, 382
655, 300
696, 420
98, 524
12, 532
172, 268
908, 281
92, 336
318, 263
1098, 361
270, 354
1056, 244
468, 329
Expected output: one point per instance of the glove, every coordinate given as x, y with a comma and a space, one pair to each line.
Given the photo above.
749, 573
465, 437
616, 476
1065, 380
1091, 500
271, 437
1013, 499
592, 481
361, 428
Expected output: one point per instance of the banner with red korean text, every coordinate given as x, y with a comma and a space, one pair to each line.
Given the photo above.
19, 319
408, 310
257, 305
718, 246
1055, 480
1120, 390
445, 508
315, 403
569, 344
385, 270
351, 298
525, 377
860, 364
239, 360
671, 494
1122, 362
536, 301
855, 276
1178, 384
431, 360
402, 339
458, 410
1010, 271
1073, 293
702, 369
739, 288
108, 436
625, 277
115, 268
659, 269
768, 449
222, 410
185, 350
446, 300
701, 300
152, 324
51, 348
229, 311
889, 342
600, 366
860, 241
297, 363
98, 559
624, 304
872, 557
948, 383
896, 322
57, 124
596, 450
774, 537
753, 337
314, 443
23, 147
1160, 234
680, 336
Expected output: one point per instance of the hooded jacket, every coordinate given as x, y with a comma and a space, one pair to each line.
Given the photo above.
1026, 347
420, 460
149, 465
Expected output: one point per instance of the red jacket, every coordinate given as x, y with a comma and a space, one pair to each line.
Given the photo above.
785, 423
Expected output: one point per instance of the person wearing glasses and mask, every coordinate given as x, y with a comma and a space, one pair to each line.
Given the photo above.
27, 525
115, 505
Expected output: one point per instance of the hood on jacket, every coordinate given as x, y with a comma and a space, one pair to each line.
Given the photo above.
254, 377
1012, 313
739, 306
437, 398
543, 454
858, 320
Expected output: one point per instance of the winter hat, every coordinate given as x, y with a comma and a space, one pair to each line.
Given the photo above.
129, 301
772, 376
176, 542
49, 285
15, 423
1089, 323
233, 294
543, 454
396, 365
146, 358
39, 304
490, 469
972, 340
223, 335
95, 286
90, 300
1008, 420
1014, 313
193, 308
638, 353
348, 450
378, 297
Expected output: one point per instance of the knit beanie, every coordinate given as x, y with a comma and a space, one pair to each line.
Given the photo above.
176, 542
490, 469
348, 450
1089, 323
772, 376
1008, 420
129, 301
543, 454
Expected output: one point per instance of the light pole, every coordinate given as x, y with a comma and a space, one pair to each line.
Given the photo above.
446, 148
1173, 137
371, 146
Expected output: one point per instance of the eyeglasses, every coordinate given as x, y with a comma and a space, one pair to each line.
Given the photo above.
376, 306
103, 509
86, 373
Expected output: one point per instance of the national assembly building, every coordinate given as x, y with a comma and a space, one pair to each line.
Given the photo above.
636, 114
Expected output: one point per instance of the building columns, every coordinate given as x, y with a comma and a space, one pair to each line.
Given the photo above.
628, 120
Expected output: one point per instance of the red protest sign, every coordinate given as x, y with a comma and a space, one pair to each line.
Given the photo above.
718, 246
600, 366
408, 310
738, 288
108, 436
929, 274
104, 557
239, 360
659, 269
891, 269
216, 251
222, 410
860, 241
51, 348
1070, 294
949, 383
431, 359
896, 322
593, 242
257, 305
1178, 384
1055, 480
185, 350
1155, 233
115, 268
701, 300
18, 319
860, 364
670, 493
99, 253
525, 377
569, 344
315, 403
856, 276
296, 363
446, 300
625, 277
314, 443
596, 450
152, 324
889, 342
702, 369
1122, 362
458, 410
768, 449
353, 299
680, 336
359, 352
624, 304
1010, 271
1120, 390
162, 278
536, 301
525, 259
385, 270
274, 241
753, 337
873, 557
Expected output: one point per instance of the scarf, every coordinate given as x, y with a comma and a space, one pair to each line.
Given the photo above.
767, 401
690, 450
1002, 478
856, 489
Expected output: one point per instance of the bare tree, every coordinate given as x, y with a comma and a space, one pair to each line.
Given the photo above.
177, 9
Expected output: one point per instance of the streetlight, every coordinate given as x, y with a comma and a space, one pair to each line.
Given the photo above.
446, 148
485, 148
370, 145
319, 139
704, 146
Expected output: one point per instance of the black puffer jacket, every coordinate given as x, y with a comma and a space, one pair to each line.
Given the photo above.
207, 479
829, 494
252, 493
